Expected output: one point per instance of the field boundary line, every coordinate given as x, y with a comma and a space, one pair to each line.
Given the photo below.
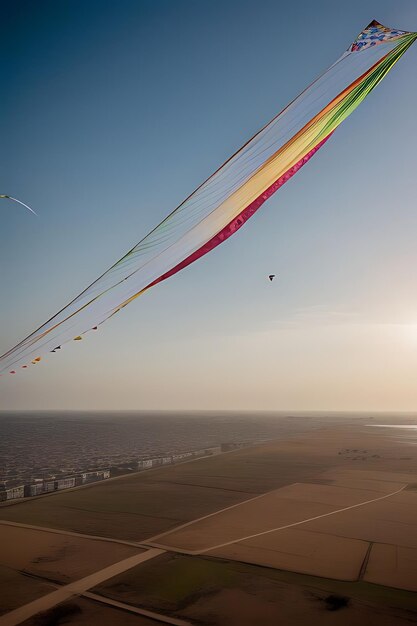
200, 519
158, 617
266, 532
365, 561
58, 531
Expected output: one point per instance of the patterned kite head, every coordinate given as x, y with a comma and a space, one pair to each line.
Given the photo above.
374, 34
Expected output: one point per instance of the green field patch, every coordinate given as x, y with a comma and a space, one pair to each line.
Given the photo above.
174, 583
170, 582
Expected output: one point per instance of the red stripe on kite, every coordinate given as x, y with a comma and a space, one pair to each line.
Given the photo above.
243, 217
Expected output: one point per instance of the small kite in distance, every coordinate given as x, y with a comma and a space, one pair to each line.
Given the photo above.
271, 277
19, 202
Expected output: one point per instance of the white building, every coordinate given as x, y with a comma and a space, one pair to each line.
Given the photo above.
15, 492
65, 483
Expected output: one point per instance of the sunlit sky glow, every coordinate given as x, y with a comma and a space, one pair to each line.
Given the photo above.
111, 113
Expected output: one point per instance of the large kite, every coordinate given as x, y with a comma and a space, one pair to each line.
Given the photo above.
226, 200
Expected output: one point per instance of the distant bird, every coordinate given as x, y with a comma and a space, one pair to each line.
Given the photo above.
271, 277
19, 202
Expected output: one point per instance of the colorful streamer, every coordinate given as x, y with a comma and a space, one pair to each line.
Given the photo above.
227, 199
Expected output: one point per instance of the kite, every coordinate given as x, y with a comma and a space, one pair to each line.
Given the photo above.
271, 277
19, 202
222, 204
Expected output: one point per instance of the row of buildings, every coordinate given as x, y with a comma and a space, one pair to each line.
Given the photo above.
39, 487
177, 458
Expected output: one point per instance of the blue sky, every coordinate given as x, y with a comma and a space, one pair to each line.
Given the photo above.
111, 113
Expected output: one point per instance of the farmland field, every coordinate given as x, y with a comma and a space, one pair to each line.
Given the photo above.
264, 534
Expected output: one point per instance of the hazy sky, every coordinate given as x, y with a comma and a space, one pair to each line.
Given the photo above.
112, 112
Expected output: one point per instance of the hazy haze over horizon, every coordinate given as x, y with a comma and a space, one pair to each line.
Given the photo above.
100, 102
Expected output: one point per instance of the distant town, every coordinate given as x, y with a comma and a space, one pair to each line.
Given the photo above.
28, 484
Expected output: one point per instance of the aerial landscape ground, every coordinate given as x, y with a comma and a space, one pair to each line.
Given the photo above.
318, 524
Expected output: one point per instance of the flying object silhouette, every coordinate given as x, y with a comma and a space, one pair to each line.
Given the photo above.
19, 202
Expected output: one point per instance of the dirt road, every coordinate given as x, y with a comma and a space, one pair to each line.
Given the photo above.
76, 588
